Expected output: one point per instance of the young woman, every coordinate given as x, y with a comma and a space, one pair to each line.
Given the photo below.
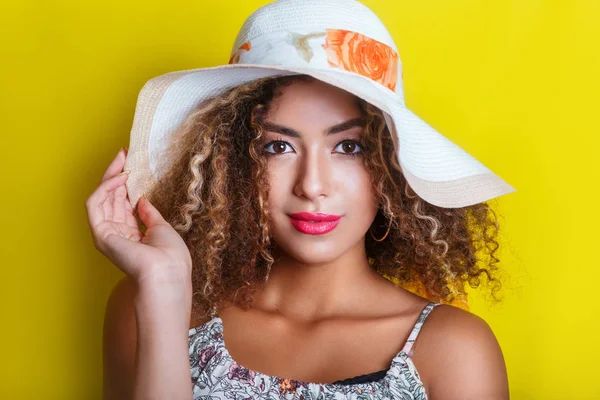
284, 251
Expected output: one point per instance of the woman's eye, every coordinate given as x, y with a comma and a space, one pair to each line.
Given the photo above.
277, 147
348, 147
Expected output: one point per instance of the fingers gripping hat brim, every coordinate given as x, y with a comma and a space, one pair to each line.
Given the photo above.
438, 170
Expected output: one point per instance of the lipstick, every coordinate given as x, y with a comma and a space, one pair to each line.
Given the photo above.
314, 223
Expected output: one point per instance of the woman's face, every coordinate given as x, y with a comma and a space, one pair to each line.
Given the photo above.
312, 144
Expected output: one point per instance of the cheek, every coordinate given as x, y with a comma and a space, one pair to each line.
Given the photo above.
280, 178
353, 181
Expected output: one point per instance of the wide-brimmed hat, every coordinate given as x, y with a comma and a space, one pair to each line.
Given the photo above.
340, 42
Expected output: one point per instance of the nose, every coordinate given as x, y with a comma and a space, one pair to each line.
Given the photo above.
314, 175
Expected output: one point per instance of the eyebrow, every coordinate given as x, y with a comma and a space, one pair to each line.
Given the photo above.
344, 126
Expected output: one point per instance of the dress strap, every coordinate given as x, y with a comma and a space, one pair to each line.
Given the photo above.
417, 328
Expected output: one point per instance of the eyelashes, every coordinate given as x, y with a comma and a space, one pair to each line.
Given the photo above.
357, 149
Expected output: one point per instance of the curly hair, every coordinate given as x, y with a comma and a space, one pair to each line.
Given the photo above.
214, 192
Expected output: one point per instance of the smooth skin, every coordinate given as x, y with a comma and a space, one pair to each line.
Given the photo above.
323, 306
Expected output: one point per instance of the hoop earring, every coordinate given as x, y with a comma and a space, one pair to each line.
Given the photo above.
386, 232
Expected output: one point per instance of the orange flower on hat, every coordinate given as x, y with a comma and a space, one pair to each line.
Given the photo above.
235, 57
355, 52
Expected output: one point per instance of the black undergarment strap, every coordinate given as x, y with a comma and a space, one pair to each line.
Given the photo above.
372, 377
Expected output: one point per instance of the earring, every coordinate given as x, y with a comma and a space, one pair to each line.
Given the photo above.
386, 233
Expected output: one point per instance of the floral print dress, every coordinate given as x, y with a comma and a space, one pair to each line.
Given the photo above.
216, 375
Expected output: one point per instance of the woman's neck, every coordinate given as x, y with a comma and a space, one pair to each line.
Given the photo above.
315, 291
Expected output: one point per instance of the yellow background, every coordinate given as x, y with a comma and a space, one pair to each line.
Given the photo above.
514, 82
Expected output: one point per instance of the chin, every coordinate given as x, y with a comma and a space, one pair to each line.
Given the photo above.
313, 251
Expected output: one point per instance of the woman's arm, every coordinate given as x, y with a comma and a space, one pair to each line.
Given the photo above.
150, 362
162, 358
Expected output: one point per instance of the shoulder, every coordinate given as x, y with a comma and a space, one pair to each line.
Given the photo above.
119, 341
119, 316
458, 356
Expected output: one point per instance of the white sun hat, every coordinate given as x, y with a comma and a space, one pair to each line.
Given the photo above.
340, 42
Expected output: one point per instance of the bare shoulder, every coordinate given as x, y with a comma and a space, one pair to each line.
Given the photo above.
458, 357
119, 341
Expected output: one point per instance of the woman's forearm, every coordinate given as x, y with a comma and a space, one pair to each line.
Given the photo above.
162, 359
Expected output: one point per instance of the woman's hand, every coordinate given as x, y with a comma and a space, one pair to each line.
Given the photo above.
158, 256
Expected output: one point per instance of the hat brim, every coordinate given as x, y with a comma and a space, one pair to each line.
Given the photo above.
437, 169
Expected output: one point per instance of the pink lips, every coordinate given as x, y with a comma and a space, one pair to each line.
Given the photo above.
314, 224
